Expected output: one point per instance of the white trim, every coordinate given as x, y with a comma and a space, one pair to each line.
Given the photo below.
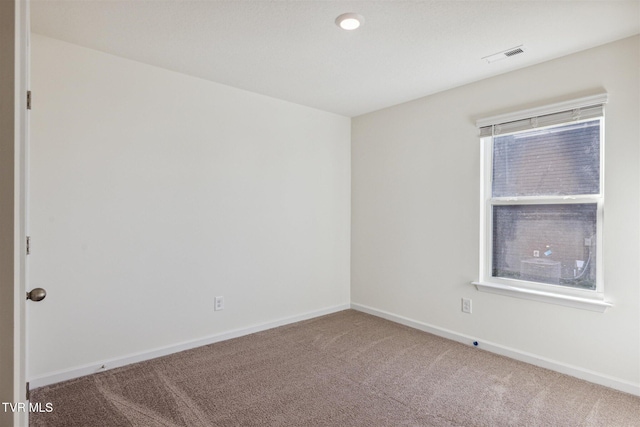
560, 295
545, 200
92, 368
543, 362
21, 126
587, 101
549, 297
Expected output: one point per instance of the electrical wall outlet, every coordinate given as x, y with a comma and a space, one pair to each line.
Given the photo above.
218, 303
466, 305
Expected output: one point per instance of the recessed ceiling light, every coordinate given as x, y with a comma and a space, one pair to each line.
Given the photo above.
349, 21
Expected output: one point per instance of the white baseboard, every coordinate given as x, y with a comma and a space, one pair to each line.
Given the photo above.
92, 368
108, 364
591, 376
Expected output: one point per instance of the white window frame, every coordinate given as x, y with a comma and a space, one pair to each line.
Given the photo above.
593, 300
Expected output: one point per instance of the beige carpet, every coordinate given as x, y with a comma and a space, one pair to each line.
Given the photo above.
344, 369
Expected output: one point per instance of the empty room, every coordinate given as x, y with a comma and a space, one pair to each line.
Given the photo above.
321, 213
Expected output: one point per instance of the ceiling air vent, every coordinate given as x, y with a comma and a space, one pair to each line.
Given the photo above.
514, 52
504, 54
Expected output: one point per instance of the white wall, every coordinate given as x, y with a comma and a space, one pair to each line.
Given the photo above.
152, 192
415, 215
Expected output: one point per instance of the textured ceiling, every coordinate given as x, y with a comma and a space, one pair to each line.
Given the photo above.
292, 50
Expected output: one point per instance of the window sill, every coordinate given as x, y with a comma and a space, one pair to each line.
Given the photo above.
548, 297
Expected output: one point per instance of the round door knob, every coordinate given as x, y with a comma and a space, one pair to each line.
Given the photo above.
36, 294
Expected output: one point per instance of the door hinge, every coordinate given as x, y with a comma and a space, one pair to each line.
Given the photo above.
28, 100
28, 245
28, 392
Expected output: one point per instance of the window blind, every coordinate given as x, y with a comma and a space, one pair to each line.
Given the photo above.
567, 116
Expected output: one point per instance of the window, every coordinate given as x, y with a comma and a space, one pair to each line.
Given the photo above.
542, 204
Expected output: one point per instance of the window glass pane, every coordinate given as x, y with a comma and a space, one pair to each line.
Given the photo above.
554, 244
556, 161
